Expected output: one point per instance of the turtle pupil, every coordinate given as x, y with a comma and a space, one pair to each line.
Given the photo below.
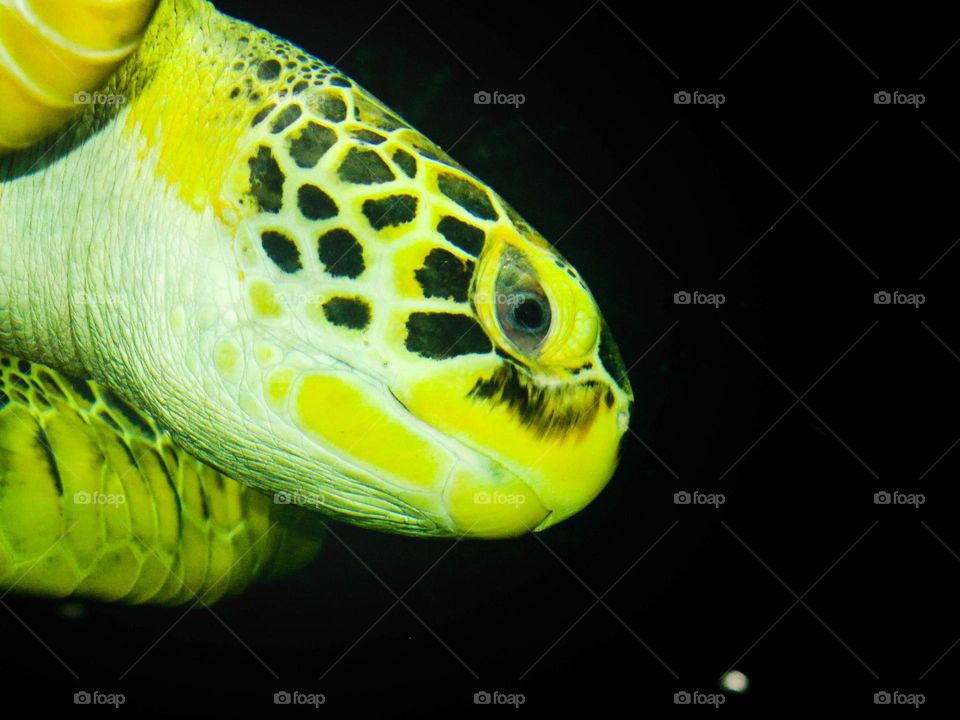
528, 314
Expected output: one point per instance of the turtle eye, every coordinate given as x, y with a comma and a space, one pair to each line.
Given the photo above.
523, 310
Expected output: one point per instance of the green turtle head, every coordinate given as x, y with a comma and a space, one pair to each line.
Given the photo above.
381, 335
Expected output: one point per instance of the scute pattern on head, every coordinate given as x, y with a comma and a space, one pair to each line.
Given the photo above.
333, 184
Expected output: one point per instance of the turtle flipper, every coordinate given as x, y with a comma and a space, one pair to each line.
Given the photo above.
54, 54
96, 501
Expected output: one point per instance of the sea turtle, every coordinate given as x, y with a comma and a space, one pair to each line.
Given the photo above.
235, 290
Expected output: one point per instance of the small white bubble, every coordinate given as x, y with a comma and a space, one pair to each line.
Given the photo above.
735, 682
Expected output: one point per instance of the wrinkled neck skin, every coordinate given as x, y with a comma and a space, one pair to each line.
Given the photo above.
106, 269
91, 248
91, 235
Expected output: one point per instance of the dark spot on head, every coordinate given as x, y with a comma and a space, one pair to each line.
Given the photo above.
266, 180
353, 313
467, 195
331, 106
315, 204
364, 167
340, 81
268, 70
406, 162
445, 335
391, 210
262, 114
608, 399
5, 361
282, 250
309, 145
4, 399
234, 93
465, 236
24, 367
445, 275
340, 253
285, 118
238, 65
300, 86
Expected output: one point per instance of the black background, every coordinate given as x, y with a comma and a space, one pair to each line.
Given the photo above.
707, 201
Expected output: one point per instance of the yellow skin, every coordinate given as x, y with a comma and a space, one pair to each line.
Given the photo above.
305, 292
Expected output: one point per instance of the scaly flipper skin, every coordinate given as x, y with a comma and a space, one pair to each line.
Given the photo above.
97, 502
309, 294
53, 53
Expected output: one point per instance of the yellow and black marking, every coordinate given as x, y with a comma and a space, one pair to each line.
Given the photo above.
549, 412
97, 502
440, 336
